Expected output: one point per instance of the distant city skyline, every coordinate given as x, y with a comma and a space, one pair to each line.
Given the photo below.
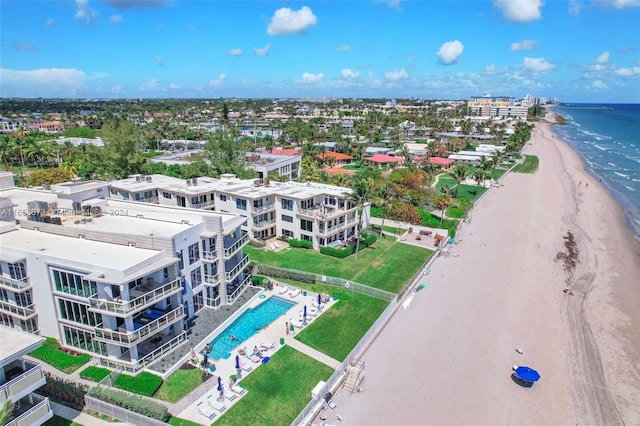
577, 51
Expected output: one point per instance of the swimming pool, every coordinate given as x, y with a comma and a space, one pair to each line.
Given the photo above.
246, 325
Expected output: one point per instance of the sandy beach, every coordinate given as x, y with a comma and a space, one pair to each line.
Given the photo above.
447, 358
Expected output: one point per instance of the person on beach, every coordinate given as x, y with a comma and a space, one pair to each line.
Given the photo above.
286, 327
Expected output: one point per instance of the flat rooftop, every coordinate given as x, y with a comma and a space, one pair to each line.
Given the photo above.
16, 343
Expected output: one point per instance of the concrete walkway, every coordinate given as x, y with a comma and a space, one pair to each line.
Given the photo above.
313, 353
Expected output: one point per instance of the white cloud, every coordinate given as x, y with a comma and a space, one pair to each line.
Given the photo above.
192, 28
218, 81
620, 4
235, 52
524, 45
287, 21
603, 58
348, 73
391, 4
25, 47
575, 7
159, 60
537, 65
174, 86
395, 75
599, 84
135, 4
343, 48
84, 13
628, 72
450, 51
117, 88
310, 78
489, 69
49, 22
264, 51
115, 19
149, 85
52, 82
520, 10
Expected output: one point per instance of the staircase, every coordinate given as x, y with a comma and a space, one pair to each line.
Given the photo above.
355, 375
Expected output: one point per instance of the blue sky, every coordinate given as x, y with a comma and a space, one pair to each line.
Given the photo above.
578, 51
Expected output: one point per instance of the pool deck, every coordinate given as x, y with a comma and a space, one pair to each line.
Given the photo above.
187, 408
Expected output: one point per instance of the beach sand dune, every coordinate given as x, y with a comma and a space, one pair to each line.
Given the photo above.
447, 358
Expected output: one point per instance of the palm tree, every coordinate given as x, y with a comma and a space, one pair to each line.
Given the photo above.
6, 412
442, 201
361, 192
459, 172
382, 198
68, 167
408, 156
479, 175
430, 171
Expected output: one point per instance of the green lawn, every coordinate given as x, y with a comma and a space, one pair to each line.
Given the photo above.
433, 221
341, 327
391, 229
277, 391
177, 421
386, 265
145, 383
60, 421
180, 384
95, 374
50, 353
530, 165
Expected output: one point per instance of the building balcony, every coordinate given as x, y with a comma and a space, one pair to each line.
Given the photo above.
14, 285
238, 290
230, 275
33, 410
324, 212
203, 204
130, 338
22, 312
263, 209
327, 232
22, 379
143, 297
209, 256
214, 303
230, 251
263, 224
211, 279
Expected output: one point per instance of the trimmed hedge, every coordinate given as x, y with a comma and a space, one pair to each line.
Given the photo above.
145, 383
64, 392
300, 243
304, 277
132, 402
95, 374
339, 253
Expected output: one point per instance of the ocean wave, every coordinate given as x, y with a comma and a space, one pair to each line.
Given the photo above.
622, 175
611, 164
630, 188
599, 147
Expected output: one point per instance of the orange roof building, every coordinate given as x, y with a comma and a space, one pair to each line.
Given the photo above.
338, 158
381, 160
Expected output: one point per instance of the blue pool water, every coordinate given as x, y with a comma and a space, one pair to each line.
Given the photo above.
248, 324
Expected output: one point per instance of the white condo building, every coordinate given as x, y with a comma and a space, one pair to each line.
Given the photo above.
308, 211
115, 279
20, 378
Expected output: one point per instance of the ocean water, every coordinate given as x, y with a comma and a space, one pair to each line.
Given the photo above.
607, 137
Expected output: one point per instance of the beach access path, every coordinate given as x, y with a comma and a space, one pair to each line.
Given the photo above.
447, 358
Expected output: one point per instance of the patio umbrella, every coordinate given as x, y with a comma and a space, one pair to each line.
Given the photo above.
237, 362
528, 373
319, 300
219, 384
304, 312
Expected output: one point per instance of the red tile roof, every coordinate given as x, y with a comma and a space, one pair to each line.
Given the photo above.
291, 151
439, 161
382, 159
336, 155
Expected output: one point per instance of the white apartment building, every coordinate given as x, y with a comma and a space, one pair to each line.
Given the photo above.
115, 279
19, 378
308, 211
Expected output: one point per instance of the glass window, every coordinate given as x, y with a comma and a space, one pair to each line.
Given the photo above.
166, 195
306, 225
223, 197
286, 218
196, 277
241, 203
194, 253
286, 204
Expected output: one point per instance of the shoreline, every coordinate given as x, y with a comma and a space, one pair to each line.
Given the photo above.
503, 289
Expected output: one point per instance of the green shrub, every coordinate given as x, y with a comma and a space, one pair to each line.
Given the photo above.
145, 383
339, 253
64, 391
132, 402
368, 239
303, 277
300, 243
95, 374
50, 353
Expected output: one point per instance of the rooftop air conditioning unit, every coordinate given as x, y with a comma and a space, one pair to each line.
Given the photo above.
149, 178
188, 182
138, 178
194, 181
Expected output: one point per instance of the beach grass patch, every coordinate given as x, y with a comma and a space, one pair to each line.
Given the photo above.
340, 327
51, 353
181, 383
433, 221
530, 165
95, 374
145, 383
277, 391
60, 421
177, 421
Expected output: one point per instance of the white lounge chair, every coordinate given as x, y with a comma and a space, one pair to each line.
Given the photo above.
294, 292
298, 323
215, 404
246, 367
205, 411
254, 358
268, 347
239, 390
283, 289
230, 395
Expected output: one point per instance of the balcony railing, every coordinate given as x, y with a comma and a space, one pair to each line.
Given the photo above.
23, 312
238, 291
126, 307
214, 302
203, 204
262, 209
209, 256
36, 415
21, 284
131, 337
23, 384
325, 212
211, 279
230, 251
263, 224
237, 269
336, 228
